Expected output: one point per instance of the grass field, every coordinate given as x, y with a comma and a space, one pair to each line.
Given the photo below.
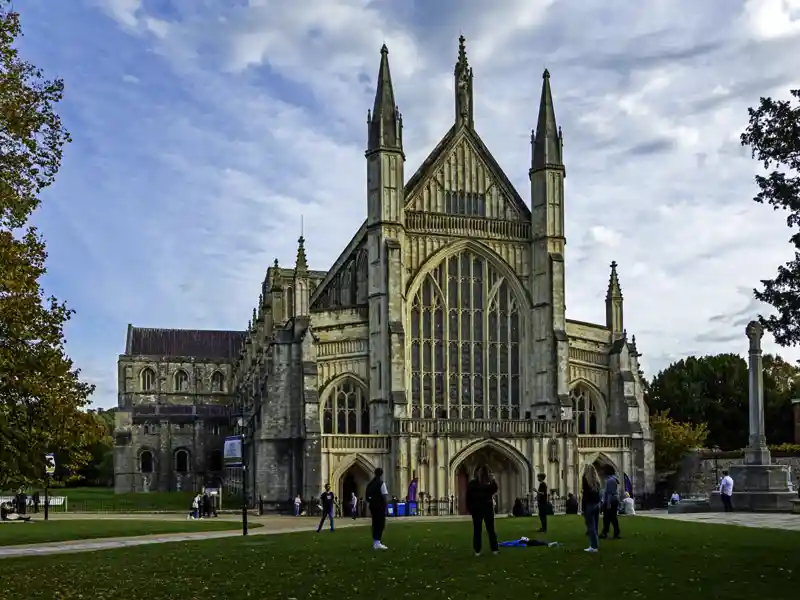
98, 499
656, 559
40, 532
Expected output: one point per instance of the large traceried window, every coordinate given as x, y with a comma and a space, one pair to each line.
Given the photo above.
465, 343
584, 410
346, 410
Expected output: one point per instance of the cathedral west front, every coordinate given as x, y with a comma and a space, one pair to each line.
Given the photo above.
437, 342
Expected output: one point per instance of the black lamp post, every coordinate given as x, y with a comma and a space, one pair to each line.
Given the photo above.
244, 426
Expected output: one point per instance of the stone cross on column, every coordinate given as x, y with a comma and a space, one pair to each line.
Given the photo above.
757, 452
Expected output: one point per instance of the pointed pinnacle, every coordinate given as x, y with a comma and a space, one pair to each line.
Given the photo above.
301, 264
546, 74
614, 289
384, 49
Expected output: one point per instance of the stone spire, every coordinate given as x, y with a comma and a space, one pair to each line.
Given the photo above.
463, 87
614, 320
301, 263
384, 123
547, 142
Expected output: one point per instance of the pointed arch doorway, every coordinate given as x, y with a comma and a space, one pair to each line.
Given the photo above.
510, 472
352, 481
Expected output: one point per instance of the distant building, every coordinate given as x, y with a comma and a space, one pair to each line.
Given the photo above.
175, 388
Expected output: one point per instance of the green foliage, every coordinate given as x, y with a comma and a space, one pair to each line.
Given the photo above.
773, 135
41, 394
713, 390
673, 440
657, 559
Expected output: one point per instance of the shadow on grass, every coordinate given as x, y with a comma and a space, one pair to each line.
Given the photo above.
655, 559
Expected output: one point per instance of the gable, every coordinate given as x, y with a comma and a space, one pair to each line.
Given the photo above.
345, 285
461, 177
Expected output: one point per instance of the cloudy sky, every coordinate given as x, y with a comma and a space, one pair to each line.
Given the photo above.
203, 129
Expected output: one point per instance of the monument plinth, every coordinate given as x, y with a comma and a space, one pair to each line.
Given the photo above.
758, 485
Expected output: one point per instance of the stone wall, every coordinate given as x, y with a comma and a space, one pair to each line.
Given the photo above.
700, 471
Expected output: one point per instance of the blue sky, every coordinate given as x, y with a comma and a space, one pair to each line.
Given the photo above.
203, 129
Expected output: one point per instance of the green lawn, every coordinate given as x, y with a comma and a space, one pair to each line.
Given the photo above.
99, 499
656, 559
40, 532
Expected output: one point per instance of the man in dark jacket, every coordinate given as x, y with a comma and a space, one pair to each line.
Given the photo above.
541, 502
377, 500
610, 504
480, 504
326, 502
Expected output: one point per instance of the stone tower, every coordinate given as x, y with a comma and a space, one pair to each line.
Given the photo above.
385, 239
550, 343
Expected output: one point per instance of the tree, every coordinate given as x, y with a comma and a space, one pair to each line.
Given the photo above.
709, 390
673, 440
780, 387
773, 135
41, 394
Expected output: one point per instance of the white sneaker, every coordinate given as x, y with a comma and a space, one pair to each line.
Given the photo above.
477, 554
552, 544
591, 550
378, 546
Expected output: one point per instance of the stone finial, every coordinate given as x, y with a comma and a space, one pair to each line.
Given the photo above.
754, 332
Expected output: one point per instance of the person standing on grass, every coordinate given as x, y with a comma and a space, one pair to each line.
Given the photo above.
610, 503
378, 501
480, 504
726, 491
297, 503
541, 502
353, 506
590, 504
326, 501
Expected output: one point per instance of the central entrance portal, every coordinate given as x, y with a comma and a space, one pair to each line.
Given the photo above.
354, 481
505, 470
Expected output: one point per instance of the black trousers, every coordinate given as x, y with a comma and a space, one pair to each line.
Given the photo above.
610, 518
726, 502
378, 523
543, 516
478, 521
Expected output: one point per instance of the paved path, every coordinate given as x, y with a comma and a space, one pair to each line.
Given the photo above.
761, 520
270, 525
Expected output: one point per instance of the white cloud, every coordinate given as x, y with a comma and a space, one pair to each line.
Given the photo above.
264, 120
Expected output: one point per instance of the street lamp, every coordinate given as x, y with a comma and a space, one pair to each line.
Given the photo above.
243, 426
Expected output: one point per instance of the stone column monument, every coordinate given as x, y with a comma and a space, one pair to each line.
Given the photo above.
758, 485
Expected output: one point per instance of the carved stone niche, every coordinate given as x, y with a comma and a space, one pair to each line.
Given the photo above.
422, 452
552, 451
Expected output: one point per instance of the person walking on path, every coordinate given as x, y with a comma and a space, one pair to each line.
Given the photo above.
353, 506
726, 491
541, 502
378, 501
610, 503
590, 504
480, 504
326, 501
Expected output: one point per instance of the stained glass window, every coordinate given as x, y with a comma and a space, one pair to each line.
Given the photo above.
346, 409
584, 410
465, 343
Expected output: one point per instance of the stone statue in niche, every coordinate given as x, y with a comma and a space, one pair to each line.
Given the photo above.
552, 451
463, 93
145, 484
179, 483
423, 450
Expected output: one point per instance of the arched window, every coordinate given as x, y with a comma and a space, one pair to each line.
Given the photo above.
182, 461
146, 462
584, 410
217, 382
181, 381
148, 379
215, 460
346, 409
465, 343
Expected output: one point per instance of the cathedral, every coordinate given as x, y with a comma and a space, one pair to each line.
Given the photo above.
437, 342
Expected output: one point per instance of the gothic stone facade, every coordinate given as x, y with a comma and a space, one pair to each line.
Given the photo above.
174, 408
438, 340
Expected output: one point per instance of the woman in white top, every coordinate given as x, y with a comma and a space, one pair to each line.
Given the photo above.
628, 506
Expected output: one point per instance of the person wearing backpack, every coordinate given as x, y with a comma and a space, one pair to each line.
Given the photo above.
377, 500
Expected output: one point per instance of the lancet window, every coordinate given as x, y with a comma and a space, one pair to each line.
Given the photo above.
346, 410
584, 410
465, 343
